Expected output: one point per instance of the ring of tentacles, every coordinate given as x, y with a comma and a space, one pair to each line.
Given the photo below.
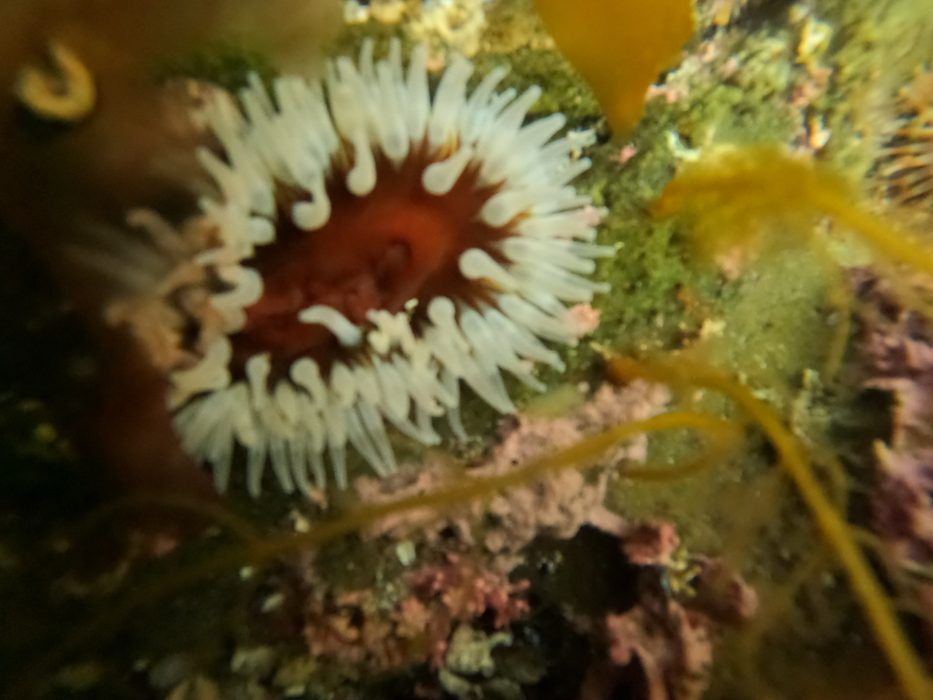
379, 245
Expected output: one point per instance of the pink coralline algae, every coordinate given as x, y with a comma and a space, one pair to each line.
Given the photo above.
557, 506
670, 642
460, 595
668, 638
357, 628
900, 348
651, 544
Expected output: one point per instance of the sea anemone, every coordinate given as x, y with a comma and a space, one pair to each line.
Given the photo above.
372, 244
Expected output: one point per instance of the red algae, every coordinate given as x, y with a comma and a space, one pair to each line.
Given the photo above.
900, 357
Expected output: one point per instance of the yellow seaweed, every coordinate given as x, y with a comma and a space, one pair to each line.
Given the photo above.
732, 196
619, 47
727, 195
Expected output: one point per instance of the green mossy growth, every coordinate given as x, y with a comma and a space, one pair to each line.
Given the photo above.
223, 64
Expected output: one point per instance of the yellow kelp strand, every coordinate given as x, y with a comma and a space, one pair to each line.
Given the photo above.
620, 47
727, 194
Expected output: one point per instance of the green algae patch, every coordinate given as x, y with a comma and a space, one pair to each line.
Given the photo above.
775, 323
562, 89
224, 64
769, 328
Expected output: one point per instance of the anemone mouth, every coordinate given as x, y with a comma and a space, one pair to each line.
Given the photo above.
378, 244
395, 250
